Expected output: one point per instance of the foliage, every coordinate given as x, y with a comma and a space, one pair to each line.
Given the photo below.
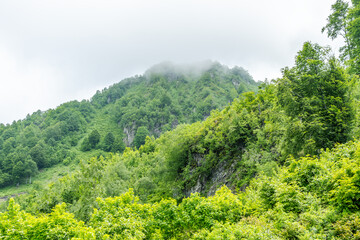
300, 201
314, 96
16, 224
91, 141
115, 117
140, 136
344, 21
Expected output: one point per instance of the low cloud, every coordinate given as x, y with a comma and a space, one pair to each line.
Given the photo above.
55, 51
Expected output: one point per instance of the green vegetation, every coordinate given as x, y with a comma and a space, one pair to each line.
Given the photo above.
281, 163
124, 114
345, 22
309, 198
257, 132
313, 95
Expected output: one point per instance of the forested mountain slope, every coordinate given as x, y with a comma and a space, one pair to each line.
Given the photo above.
118, 116
282, 163
301, 189
307, 110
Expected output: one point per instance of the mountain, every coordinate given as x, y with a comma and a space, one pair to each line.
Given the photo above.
119, 116
277, 164
282, 162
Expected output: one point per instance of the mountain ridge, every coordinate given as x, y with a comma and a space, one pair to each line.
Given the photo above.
110, 120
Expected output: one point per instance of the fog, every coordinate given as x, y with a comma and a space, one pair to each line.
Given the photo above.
55, 51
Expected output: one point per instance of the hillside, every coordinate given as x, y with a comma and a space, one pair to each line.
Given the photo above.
279, 164
119, 116
310, 198
257, 132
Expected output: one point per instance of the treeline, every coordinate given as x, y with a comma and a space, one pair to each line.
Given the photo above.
166, 96
41, 140
119, 116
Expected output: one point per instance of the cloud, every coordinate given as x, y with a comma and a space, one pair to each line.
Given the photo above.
71, 48
26, 87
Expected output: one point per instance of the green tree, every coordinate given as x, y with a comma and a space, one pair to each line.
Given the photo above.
108, 142
85, 145
94, 138
345, 21
140, 136
118, 145
165, 100
38, 155
29, 136
30, 169
338, 25
354, 35
53, 132
313, 95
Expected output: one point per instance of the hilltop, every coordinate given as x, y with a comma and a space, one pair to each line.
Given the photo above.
116, 117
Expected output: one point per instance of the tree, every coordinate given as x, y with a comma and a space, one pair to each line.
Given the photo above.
354, 36
108, 142
29, 136
38, 155
140, 136
165, 100
118, 145
338, 25
71, 121
94, 138
313, 95
5, 179
85, 145
53, 132
345, 21
30, 169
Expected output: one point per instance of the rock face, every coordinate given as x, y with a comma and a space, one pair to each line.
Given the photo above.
221, 176
218, 177
174, 124
130, 132
236, 83
157, 131
129, 135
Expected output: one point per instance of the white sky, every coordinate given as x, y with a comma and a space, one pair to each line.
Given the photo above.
56, 51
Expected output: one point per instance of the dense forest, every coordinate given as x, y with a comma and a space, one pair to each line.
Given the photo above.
119, 116
199, 153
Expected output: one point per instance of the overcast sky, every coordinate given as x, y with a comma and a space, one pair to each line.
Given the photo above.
56, 51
